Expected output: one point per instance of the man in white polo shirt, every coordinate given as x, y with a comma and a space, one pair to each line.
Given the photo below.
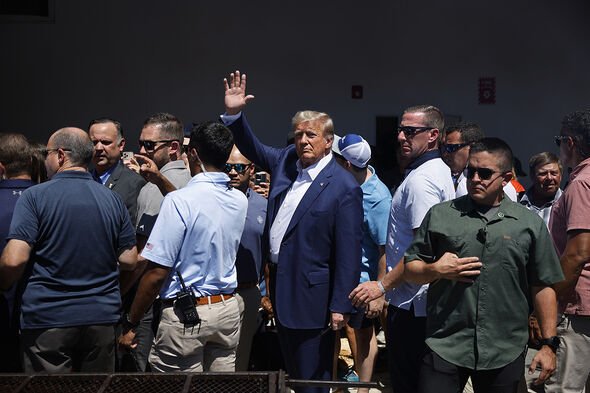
427, 182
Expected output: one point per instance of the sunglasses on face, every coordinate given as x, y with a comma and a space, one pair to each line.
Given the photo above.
484, 173
151, 145
453, 147
239, 168
45, 152
410, 131
559, 138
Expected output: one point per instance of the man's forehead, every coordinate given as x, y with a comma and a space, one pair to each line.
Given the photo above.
151, 130
309, 125
454, 137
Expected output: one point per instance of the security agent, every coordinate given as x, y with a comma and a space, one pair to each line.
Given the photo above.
197, 233
485, 258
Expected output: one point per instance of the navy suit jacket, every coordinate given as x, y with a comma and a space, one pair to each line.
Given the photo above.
127, 184
320, 256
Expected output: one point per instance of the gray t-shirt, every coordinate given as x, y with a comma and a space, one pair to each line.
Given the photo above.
150, 198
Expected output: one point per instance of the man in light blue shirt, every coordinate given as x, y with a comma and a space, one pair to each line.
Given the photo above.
353, 153
196, 236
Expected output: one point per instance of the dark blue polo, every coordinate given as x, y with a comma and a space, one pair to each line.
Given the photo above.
249, 258
10, 191
77, 228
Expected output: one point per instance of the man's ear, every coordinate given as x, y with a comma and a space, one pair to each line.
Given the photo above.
175, 147
122, 144
2, 170
507, 176
434, 133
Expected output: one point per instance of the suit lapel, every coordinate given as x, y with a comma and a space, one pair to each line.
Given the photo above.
114, 176
317, 187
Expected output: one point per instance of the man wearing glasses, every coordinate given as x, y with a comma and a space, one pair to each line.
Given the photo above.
249, 258
455, 151
72, 236
160, 151
570, 228
427, 182
488, 260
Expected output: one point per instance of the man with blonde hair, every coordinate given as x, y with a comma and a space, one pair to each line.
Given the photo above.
314, 221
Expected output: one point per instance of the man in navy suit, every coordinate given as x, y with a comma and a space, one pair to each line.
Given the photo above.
313, 234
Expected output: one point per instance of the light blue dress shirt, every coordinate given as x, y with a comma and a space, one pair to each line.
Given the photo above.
198, 232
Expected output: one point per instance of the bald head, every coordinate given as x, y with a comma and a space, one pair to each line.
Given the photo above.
68, 147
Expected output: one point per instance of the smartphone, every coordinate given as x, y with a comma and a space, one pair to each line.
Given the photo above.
127, 155
260, 177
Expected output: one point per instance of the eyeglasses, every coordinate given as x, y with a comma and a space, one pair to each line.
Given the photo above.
151, 145
410, 131
45, 152
484, 173
559, 138
239, 168
453, 147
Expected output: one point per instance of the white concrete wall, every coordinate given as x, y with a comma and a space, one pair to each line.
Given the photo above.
130, 60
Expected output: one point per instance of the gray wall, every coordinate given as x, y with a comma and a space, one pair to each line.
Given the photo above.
129, 59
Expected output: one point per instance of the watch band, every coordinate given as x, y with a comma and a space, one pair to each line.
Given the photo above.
551, 342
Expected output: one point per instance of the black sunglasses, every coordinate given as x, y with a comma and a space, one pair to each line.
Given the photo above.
410, 131
45, 152
151, 145
453, 147
484, 173
559, 138
239, 168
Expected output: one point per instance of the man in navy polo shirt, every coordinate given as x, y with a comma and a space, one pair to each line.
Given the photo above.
71, 235
15, 177
249, 258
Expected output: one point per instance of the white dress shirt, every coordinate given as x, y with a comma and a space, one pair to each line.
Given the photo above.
294, 196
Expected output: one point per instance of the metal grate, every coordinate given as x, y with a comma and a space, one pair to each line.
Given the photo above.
64, 383
10, 383
147, 383
235, 383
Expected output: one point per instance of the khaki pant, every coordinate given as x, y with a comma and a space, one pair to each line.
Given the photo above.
573, 356
209, 346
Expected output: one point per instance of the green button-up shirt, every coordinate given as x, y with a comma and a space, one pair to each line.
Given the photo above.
483, 326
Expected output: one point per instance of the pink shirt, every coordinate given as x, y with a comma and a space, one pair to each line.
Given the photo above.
572, 212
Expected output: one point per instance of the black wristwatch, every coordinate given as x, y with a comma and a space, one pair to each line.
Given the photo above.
127, 325
551, 342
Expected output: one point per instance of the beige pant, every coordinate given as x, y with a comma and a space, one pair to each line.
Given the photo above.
209, 346
573, 356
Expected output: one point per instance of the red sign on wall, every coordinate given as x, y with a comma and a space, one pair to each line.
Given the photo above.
487, 91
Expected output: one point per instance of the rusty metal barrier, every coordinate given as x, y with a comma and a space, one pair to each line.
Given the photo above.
238, 382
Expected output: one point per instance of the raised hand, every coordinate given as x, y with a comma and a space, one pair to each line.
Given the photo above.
235, 93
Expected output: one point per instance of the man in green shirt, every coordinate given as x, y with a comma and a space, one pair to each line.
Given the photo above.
489, 261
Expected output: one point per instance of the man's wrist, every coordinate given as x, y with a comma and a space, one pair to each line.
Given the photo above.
551, 342
127, 324
381, 287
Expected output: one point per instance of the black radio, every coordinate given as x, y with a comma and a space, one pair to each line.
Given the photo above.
186, 304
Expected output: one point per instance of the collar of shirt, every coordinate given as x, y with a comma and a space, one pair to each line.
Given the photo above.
526, 200
177, 164
312, 171
466, 205
217, 178
579, 168
427, 156
105, 176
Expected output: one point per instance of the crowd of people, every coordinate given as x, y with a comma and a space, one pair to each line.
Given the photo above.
163, 260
